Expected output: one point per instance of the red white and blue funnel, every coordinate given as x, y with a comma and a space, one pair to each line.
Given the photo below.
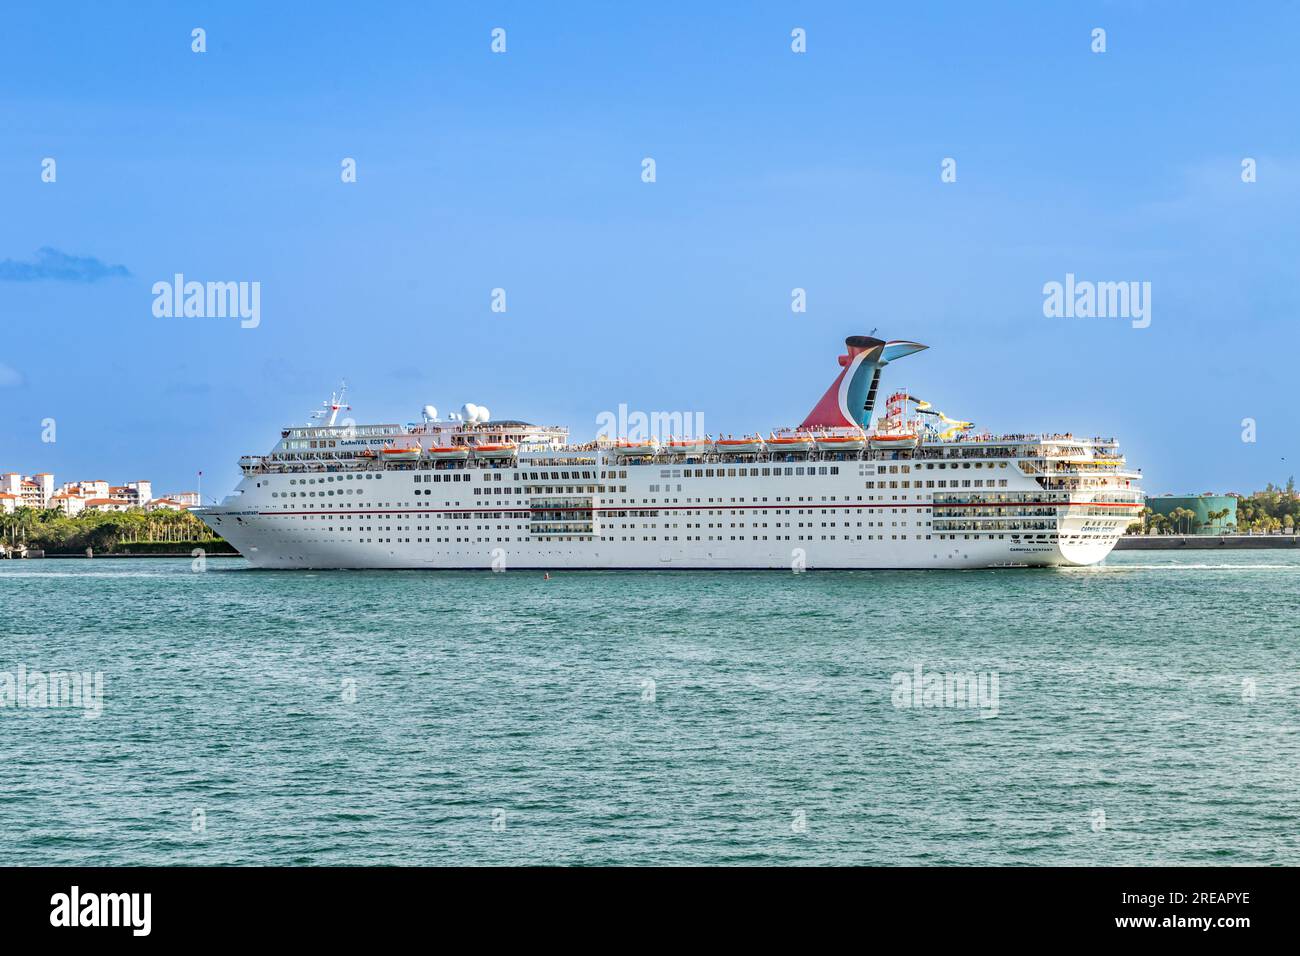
849, 401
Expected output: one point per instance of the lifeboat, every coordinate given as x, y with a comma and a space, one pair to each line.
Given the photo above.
689, 446
629, 449
448, 453
790, 443
894, 441
495, 451
841, 443
739, 446
401, 454
367, 453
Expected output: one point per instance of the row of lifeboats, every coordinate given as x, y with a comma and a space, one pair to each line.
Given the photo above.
774, 444
689, 447
443, 452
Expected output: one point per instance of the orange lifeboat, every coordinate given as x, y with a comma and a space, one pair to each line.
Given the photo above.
495, 451
740, 446
689, 446
448, 453
401, 454
629, 449
841, 442
790, 443
894, 440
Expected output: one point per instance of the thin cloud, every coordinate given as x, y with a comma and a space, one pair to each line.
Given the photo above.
55, 266
10, 377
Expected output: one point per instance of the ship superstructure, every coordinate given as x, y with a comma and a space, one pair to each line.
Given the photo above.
916, 490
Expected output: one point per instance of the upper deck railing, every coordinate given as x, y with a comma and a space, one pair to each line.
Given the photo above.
1049, 457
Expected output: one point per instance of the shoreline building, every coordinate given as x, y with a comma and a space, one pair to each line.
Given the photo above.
70, 504
29, 491
166, 504
137, 493
73, 497
108, 504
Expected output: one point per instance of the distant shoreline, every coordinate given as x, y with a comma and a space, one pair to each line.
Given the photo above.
156, 554
156, 549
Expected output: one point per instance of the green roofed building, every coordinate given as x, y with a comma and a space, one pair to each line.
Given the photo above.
1196, 514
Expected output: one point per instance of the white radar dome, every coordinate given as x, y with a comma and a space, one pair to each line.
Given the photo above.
483, 414
430, 413
469, 411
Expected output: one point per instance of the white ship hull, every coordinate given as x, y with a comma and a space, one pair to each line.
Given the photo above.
805, 522
523, 498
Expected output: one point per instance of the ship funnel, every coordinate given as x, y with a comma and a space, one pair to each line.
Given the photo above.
850, 400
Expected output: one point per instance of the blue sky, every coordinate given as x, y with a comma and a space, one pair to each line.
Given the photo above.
523, 171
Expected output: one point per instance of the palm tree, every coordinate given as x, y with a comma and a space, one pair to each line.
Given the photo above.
1145, 519
1214, 516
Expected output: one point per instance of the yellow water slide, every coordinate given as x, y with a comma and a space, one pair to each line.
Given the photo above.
955, 427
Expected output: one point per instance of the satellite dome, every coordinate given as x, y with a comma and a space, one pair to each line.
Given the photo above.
430, 413
483, 414
469, 411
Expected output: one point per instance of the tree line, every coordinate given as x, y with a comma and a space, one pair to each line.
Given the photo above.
49, 529
1273, 510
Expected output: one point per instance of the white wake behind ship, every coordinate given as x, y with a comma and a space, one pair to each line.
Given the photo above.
916, 490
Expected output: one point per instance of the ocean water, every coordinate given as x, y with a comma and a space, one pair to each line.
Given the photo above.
1147, 712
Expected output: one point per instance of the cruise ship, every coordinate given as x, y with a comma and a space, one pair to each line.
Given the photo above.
912, 488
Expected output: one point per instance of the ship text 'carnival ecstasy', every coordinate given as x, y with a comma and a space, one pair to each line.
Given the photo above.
917, 490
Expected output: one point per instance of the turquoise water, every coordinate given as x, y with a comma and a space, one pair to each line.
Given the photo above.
417, 717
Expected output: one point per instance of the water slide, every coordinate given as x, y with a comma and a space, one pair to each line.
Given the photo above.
955, 427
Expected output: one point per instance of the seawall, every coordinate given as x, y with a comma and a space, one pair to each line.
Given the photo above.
1205, 542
